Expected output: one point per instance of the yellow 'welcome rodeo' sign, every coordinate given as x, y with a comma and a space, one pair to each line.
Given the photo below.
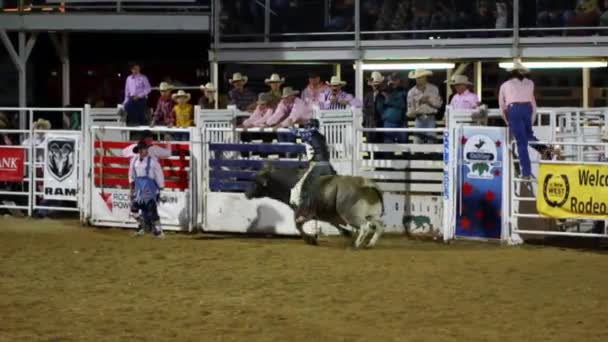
571, 190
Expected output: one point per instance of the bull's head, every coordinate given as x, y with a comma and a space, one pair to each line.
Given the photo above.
259, 188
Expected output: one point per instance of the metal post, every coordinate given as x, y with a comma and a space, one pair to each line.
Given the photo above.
359, 84
338, 70
65, 70
216, 23
22, 81
448, 86
267, 21
478, 79
586, 86
214, 71
515, 52
357, 23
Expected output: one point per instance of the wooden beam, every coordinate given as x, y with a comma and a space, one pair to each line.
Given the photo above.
11, 50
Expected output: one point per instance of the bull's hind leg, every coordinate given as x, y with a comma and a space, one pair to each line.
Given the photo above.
309, 239
378, 230
364, 232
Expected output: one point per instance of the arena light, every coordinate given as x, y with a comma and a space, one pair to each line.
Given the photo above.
407, 66
558, 65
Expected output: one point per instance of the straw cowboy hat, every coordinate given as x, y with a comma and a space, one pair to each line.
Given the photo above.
336, 81
274, 78
42, 124
419, 73
3, 121
179, 94
264, 98
459, 79
237, 76
288, 91
376, 78
165, 86
518, 65
209, 87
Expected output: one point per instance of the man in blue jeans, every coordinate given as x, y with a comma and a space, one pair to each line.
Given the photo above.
137, 89
394, 110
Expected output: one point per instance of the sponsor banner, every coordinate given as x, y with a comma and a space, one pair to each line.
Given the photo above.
12, 164
481, 152
573, 191
61, 170
446, 161
114, 205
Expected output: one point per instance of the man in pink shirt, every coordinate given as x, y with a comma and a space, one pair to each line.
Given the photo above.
316, 91
262, 112
464, 98
338, 99
291, 110
518, 108
137, 89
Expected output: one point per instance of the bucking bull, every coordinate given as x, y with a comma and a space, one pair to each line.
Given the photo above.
351, 204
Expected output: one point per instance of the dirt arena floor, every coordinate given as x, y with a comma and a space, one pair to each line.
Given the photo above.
61, 282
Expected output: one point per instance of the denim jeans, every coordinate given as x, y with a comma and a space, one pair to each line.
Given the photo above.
425, 138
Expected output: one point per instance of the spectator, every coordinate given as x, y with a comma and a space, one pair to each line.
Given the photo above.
137, 89
243, 99
291, 110
394, 109
423, 103
464, 98
421, 10
401, 18
337, 98
182, 113
154, 150
586, 13
553, 13
442, 16
164, 106
484, 18
4, 124
373, 106
274, 82
386, 15
342, 16
209, 97
316, 91
262, 112
502, 14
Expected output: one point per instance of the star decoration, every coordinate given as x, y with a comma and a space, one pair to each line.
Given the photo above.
463, 140
465, 223
497, 172
467, 189
498, 143
489, 196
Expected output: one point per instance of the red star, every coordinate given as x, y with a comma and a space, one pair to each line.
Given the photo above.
467, 188
479, 214
465, 223
489, 196
498, 143
463, 140
497, 172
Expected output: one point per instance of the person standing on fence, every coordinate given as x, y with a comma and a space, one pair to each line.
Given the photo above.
464, 99
164, 106
241, 97
262, 112
154, 151
338, 99
393, 115
146, 180
373, 106
518, 107
274, 82
182, 113
291, 110
209, 98
423, 104
137, 89
316, 91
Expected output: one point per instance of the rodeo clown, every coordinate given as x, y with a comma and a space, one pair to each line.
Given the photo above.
303, 192
146, 180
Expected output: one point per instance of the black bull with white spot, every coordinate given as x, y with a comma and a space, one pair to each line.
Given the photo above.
351, 204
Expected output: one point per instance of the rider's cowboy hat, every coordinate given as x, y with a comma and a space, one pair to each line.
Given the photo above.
181, 93
274, 78
288, 91
419, 73
519, 66
42, 124
459, 79
237, 76
165, 86
209, 87
336, 82
376, 78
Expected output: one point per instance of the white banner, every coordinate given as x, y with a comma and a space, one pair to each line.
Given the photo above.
61, 155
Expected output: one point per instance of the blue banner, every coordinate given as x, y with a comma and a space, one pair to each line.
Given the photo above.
480, 182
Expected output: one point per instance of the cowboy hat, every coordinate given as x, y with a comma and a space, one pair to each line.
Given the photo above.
209, 87
237, 76
519, 66
336, 81
459, 79
274, 78
419, 73
288, 91
142, 144
42, 124
165, 86
181, 93
264, 98
376, 78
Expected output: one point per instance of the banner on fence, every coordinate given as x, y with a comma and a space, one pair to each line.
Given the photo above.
573, 190
61, 171
12, 164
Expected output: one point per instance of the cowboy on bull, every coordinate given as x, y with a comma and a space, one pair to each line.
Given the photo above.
303, 192
146, 180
